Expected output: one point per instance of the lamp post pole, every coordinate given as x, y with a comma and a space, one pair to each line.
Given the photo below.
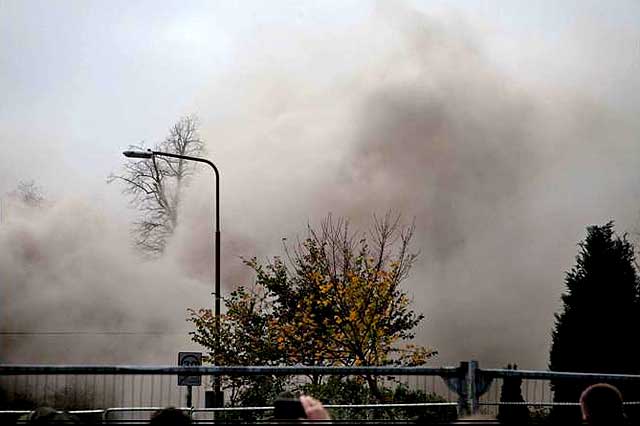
150, 154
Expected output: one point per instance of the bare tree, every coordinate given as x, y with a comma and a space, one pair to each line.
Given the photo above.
29, 193
155, 186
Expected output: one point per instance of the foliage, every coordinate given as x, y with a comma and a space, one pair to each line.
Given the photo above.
540, 416
335, 301
155, 185
354, 390
245, 338
600, 306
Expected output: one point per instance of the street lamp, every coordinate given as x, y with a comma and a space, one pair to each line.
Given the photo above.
150, 154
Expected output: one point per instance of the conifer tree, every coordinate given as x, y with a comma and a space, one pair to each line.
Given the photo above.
592, 333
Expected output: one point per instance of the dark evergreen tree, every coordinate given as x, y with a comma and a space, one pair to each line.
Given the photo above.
593, 331
511, 391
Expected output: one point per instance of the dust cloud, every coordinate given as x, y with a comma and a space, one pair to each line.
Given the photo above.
501, 170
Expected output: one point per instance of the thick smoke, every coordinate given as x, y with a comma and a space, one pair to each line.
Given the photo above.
67, 268
411, 114
502, 173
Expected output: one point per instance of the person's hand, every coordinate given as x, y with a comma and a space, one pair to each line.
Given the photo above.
314, 408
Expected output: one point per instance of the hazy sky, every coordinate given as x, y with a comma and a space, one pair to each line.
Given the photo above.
504, 127
83, 79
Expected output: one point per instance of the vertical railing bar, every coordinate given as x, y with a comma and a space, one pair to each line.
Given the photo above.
104, 391
171, 392
67, 397
94, 380
26, 386
75, 390
96, 390
46, 380
141, 388
534, 385
33, 389
36, 390
433, 383
497, 390
14, 385
122, 399
85, 385
114, 379
153, 379
55, 391
125, 388
47, 389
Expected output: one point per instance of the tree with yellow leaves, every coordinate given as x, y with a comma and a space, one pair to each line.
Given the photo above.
334, 299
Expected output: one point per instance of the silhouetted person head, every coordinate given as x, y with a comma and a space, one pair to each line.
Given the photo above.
601, 404
170, 417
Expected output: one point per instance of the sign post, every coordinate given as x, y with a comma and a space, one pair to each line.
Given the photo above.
189, 359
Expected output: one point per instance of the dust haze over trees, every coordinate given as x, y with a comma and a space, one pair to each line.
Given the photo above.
26, 195
29, 193
334, 299
155, 185
592, 333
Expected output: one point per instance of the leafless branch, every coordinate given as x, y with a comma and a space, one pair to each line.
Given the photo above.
155, 187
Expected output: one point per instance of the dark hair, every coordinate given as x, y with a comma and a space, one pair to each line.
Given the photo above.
170, 416
602, 404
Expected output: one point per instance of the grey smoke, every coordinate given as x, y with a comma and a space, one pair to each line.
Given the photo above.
501, 171
67, 268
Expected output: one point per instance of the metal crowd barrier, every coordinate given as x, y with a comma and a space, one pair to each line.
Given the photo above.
129, 393
114, 392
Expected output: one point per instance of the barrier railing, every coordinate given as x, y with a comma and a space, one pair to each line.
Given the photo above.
536, 389
115, 393
132, 393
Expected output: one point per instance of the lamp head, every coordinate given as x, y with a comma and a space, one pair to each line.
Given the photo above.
138, 154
